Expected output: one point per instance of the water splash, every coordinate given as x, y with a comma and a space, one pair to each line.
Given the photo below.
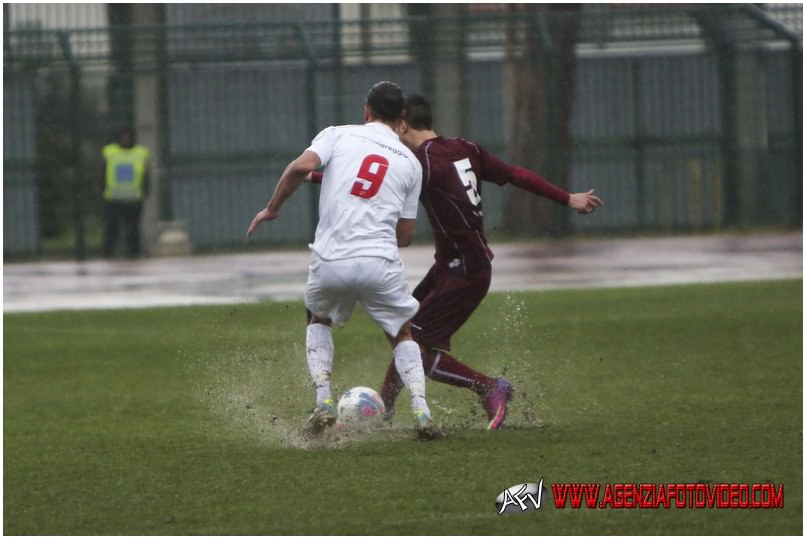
515, 336
263, 393
265, 397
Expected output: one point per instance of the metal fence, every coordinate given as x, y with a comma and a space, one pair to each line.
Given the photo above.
682, 118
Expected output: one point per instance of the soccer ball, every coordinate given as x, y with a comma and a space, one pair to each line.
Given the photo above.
360, 408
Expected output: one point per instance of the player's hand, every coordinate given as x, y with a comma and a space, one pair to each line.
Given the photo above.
263, 215
585, 202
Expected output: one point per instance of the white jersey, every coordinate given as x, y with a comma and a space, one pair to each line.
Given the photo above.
370, 181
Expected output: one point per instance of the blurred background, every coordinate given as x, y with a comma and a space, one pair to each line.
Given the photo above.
684, 118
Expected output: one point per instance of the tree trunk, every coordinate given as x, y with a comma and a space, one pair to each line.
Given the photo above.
543, 82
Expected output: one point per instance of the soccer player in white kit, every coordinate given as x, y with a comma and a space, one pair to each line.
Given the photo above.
367, 208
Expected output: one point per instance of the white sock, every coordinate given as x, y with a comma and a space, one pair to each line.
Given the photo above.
319, 343
409, 365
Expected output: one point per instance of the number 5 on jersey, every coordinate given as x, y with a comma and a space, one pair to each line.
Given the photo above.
469, 180
370, 176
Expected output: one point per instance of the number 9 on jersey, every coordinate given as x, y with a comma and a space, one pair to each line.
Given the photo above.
370, 176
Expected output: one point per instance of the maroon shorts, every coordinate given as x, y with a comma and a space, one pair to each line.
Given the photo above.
447, 299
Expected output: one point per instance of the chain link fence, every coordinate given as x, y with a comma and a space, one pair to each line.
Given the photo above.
682, 118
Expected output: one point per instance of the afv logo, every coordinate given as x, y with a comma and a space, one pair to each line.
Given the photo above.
520, 498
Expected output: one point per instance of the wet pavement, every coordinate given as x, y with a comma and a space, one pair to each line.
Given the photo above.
540, 265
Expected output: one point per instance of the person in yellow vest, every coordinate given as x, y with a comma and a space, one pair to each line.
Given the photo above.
125, 187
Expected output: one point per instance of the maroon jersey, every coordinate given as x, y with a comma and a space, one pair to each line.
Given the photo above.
453, 172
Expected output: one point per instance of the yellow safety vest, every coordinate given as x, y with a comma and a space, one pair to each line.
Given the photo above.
125, 171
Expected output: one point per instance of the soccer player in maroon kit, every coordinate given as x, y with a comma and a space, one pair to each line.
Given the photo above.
460, 277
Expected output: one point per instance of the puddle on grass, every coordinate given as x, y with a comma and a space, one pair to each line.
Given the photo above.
251, 393
259, 395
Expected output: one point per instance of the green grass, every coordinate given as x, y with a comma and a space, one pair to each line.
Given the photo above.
184, 421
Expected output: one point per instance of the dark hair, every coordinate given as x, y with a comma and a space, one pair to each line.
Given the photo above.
125, 130
418, 112
385, 100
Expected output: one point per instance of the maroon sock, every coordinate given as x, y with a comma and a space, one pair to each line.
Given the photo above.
391, 387
443, 367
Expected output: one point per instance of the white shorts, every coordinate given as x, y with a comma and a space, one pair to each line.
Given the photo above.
378, 284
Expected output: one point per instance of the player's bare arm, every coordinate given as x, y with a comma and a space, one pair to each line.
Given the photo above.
585, 202
293, 176
405, 232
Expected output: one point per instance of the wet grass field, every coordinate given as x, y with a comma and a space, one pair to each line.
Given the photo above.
186, 420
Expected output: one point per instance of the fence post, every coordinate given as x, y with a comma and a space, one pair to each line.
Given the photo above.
797, 104
75, 146
338, 68
796, 44
639, 144
797, 68
313, 117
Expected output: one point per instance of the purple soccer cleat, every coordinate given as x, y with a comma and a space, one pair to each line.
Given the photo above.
496, 403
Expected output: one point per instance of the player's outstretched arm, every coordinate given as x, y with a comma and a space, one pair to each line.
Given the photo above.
585, 202
293, 176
